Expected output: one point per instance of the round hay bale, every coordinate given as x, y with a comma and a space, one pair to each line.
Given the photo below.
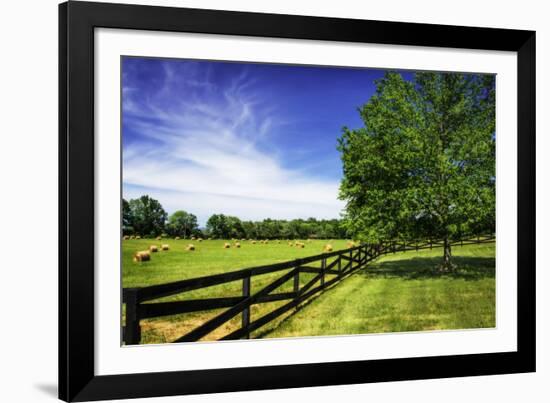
253, 242
142, 256
158, 238
226, 245
165, 247
190, 247
177, 238
237, 245
199, 239
290, 244
154, 248
125, 237
192, 238
328, 248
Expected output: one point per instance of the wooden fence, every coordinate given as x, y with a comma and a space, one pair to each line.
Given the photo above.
334, 267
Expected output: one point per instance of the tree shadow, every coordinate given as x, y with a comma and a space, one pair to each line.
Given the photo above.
415, 268
468, 268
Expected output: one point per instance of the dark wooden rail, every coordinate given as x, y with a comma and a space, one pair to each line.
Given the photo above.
345, 262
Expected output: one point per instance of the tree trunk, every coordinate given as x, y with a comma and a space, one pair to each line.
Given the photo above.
446, 265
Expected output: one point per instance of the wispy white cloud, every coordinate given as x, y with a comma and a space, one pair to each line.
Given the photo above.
203, 151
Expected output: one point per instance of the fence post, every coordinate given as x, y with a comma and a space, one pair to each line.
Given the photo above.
350, 261
132, 331
323, 265
297, 282
246, 311
339, 265
368, 252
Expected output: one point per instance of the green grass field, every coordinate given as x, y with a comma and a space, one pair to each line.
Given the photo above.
399, 292
209, 258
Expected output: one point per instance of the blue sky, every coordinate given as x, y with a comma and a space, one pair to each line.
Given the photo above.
243, 139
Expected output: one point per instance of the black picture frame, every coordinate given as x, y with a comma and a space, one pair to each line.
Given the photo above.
77, 379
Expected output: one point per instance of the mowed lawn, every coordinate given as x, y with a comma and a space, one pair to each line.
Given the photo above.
401, 292
209, 258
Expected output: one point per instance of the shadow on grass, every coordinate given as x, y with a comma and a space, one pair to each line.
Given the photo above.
415, 268
468, 268
267, 330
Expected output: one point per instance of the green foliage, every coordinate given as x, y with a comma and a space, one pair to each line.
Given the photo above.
182, 223
127, 221
217, 226
227, 227
147, 216
424, 163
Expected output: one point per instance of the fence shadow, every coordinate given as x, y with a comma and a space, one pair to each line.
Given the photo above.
468, 268
346, 262
264, 332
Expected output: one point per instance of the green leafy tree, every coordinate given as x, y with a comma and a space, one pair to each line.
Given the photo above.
148, 216
127, 219
234, 228
217, 226
250, 230
182, 223
270, 229
289, 230
423, 165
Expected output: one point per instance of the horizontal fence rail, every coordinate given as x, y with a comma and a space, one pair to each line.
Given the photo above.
345, 262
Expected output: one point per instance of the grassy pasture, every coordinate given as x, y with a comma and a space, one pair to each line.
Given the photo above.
209, 258
399, 292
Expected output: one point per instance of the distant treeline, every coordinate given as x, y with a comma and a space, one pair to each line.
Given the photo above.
145, 216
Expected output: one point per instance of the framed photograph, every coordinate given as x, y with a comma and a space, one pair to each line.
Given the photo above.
257, 201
